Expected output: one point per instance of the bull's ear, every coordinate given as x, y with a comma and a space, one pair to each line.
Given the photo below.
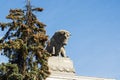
62, 32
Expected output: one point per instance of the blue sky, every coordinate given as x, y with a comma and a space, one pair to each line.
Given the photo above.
94, 45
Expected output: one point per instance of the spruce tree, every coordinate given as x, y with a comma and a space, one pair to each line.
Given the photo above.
24, 45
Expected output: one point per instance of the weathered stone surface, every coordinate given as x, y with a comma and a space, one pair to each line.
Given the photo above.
61, 64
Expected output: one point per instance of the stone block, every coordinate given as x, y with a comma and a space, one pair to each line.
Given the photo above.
61, 64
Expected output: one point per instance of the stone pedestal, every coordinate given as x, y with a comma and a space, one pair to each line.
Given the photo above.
62, 69
60, 64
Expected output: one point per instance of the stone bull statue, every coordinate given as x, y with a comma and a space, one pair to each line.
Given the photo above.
57, 43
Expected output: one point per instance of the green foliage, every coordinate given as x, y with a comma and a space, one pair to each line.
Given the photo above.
7, 71
24, 45
15, 76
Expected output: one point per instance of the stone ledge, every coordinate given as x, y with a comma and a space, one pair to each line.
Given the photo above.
61, 77
62, 68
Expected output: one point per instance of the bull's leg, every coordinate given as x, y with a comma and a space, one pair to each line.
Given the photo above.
63, 52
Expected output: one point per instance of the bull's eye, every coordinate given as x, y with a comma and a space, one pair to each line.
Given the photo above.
67, 35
